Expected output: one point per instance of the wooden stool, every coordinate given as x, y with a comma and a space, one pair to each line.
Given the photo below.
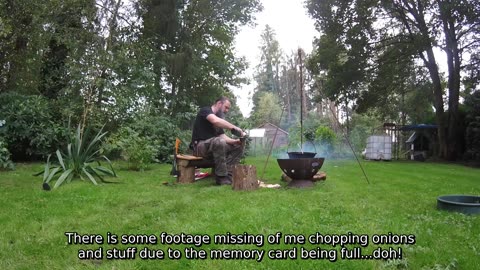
186, 165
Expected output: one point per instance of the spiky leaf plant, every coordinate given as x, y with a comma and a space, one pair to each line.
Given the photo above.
81, 160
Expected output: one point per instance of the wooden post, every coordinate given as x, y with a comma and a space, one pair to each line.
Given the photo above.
244, 177
186, 172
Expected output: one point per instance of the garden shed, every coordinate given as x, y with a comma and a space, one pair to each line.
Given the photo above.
263, 135
270, 130
421, 142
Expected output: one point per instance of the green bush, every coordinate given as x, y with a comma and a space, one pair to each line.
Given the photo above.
81, 160
310, 125
131, 147
472, 132
324, 134
362, 126
158, 131
295, 137
326, 138
5, 162
30, 130
161, 132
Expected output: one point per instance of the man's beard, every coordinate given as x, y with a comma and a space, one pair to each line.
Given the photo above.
220, 114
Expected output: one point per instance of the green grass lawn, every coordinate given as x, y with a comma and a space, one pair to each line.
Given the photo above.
400, 200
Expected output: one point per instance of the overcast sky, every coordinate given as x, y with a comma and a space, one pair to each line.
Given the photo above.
293, 29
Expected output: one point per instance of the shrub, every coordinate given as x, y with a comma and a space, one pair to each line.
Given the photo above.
362, 126
78, 161
159, 132
311, 123
325, 135
326, 138
472, 132
131, 147
5, 162
29, 129
295, 137
138, 153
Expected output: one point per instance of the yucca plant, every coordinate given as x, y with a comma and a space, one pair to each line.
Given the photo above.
81, 160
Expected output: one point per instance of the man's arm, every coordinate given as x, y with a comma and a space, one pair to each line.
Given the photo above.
222, 123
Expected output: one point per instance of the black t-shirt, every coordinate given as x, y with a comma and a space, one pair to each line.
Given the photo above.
202, 128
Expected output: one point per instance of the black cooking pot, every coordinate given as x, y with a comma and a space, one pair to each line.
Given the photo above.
301, 154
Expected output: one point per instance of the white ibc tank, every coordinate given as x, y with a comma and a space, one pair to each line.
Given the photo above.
379, 147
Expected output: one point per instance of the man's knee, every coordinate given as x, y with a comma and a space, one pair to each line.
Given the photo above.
218, 142
218, 147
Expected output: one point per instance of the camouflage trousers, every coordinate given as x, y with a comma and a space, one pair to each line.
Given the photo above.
223, 154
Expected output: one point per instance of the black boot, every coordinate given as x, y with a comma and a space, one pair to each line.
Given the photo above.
223, 180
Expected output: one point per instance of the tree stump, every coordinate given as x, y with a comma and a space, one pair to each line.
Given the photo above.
244, 177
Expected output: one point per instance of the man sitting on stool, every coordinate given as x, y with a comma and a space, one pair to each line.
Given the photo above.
210, 142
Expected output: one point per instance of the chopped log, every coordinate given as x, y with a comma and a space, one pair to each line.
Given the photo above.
320, 176
263, 185
244, 177
286, 178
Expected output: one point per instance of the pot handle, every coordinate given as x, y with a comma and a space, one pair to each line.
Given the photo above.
301, 148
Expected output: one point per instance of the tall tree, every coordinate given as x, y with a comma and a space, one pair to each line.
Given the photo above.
268, 69
19, 41
289, 88
398, 91
342, 51
416, 26
193, 42
268, 109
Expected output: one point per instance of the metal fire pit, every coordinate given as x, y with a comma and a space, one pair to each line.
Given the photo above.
300, 170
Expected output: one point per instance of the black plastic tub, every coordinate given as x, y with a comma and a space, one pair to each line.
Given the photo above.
466, 204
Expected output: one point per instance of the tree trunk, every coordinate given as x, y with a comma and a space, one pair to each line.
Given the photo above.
438, 103
112, 31
287, 94
320, 108
14, 80
454, 63
302, 83
347, 119
173, 98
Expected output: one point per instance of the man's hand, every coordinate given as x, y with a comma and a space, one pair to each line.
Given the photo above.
238, 132
238, 141
230, 140
234, 141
